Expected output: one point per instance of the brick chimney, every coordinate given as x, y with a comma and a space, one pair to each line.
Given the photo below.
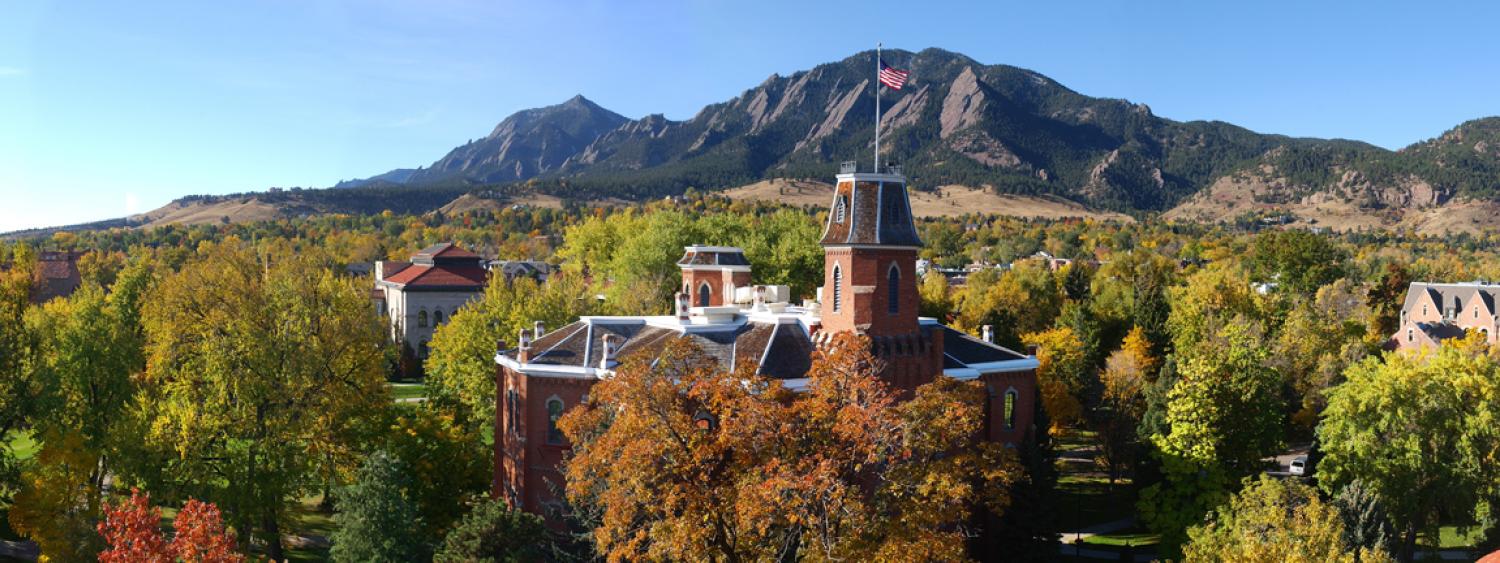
683, 304
608, 359
523, 349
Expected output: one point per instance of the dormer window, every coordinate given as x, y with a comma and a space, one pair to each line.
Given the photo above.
840, 209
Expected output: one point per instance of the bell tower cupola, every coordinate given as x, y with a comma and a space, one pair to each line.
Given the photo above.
870, 249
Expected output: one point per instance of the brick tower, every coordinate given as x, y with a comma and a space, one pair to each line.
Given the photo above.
869, 273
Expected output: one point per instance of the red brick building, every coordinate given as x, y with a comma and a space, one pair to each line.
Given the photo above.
870, 287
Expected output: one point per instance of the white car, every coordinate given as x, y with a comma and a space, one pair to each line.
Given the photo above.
1298, 466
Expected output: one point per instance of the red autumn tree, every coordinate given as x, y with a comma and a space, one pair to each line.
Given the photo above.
133, 532
201, 537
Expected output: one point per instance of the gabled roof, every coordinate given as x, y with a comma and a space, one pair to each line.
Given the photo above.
418, 276
445, 250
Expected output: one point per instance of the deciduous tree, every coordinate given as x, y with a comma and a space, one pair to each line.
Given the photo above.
259, 366
1274, 520
1420, 432
689, 462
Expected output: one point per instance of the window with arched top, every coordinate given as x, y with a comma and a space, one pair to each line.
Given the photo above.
840, 209
422, 319
1424, 310
422, 350
703, 294
437, 318
838, 287
1410, 334
554, 412
893, 290
513, 411
1010, 409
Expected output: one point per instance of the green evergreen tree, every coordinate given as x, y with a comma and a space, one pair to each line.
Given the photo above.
493, 532
377, 521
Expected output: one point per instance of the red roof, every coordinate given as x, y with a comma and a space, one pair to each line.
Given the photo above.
440, 276
1491, 558
446, 250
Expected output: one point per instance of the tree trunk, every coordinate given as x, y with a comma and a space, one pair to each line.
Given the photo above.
272, 534
1409, 543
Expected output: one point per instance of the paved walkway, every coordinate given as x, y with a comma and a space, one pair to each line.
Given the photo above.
23, 550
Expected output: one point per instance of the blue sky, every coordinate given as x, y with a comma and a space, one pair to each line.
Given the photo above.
109, 108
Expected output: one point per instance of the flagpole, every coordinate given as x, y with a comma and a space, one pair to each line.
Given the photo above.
877, 107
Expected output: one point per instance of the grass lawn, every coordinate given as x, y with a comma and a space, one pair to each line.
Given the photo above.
1085, 500
408, 390
308, 520
1449, 537
1137, 537
22, 444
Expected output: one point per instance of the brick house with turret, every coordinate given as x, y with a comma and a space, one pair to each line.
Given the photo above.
869, 287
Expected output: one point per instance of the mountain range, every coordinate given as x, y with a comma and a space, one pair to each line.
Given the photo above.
957, 121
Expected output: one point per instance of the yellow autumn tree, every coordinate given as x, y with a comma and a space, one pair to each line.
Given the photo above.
1060, 377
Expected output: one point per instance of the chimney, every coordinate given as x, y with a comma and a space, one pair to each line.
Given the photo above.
523, 350
682, 307
608, 361
499, 346
989, 333
539, 328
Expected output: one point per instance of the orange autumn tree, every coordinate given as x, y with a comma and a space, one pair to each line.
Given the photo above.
683, 461
132, 531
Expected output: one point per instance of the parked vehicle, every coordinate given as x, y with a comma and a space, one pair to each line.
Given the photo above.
1298, 466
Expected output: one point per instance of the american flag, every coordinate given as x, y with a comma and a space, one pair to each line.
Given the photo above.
891, 77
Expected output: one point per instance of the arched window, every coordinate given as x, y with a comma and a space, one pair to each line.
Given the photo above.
1424, 310
1410, 334
554, 412
893, 290
437, 318
838, 287
1476, 312
422, 350
513, 411
703, 294
840, 210
422, 319
1010, 409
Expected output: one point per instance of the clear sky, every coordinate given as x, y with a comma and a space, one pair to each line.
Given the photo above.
109, 108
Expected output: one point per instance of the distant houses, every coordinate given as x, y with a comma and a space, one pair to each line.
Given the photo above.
1434, 312
417, 296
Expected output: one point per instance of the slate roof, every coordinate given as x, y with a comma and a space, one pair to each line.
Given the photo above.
713, 256
877, 212
1444, 294
780, 346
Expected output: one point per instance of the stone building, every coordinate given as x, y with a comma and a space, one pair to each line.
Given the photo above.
418, 296
870, 287
1434, 312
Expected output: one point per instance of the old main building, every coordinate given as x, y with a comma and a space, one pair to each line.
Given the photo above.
869, 287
